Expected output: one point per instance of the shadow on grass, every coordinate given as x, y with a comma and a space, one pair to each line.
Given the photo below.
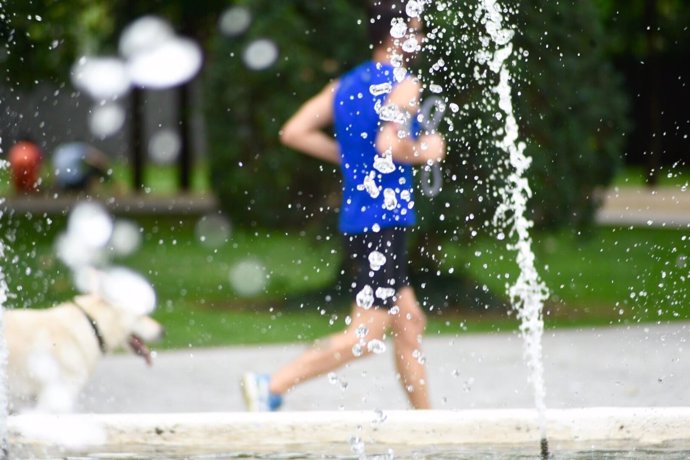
436, 293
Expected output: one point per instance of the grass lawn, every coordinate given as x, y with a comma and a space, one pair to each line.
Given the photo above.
611, 276
634, 176
158, 179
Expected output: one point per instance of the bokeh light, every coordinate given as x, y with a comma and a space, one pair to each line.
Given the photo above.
106, 120
213, 230
248, 277
103, 78
164, 146
126, 238
260, 54
234, 21
172, 63
144, 34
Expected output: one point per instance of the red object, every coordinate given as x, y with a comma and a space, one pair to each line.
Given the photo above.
25, 162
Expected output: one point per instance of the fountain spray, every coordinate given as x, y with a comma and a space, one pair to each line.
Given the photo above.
3, 358
529, 292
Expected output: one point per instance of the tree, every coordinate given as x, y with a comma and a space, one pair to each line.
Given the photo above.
196, 20
259, 182
649, 41
569, 100
43, 38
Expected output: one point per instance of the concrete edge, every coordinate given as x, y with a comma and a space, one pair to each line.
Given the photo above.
641, 426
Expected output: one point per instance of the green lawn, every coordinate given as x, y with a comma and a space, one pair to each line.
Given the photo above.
634, 176
158, 179
612, 276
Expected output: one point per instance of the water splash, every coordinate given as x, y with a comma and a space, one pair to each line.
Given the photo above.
3, 354
529, 292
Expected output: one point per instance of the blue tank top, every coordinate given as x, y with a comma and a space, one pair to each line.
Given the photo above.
377, 193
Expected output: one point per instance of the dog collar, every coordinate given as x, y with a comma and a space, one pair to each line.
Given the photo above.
94, 326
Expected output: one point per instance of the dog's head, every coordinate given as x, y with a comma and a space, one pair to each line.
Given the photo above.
120, 302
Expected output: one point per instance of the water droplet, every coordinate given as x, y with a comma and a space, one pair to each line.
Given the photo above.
411, 45
376, 346
384, 293
357, 446
390, 200
398, 28
414, 8
369, 185
376, 260
384, 163
380, 89
394, 114
399, 73
365, 297
435, 88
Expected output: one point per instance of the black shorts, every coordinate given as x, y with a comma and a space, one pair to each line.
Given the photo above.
378, 261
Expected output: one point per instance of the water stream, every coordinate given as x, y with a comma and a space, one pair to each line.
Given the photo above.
528, 293
3, 354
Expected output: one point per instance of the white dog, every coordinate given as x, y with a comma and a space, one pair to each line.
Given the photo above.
53, 352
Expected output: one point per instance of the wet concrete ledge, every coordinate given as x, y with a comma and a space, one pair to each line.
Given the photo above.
40, 436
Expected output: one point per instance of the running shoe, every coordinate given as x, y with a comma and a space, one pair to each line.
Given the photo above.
257, 396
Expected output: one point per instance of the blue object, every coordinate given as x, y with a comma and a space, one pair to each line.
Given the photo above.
356, 126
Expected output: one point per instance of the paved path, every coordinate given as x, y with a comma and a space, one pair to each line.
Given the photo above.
661, 207
619, 366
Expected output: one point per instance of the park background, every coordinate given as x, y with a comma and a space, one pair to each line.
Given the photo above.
599, 94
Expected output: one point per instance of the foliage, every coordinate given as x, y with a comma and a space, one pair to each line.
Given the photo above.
649, 41
572, 113
615, 276
569, 104
43, 38
645, 27
259, 181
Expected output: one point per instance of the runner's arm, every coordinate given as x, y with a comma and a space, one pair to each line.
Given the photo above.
427, 147
304, 130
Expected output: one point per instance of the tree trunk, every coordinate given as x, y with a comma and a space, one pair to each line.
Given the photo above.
652, 77
138, 144
184, 161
